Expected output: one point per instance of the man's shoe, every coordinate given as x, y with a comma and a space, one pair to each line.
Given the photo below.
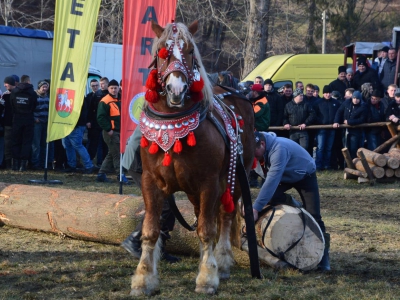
102, 177
23, 165
168, 257
124, 179
87, 171
325, 265
69, 170
132, 244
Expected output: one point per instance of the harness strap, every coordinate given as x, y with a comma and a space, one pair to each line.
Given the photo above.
178, 215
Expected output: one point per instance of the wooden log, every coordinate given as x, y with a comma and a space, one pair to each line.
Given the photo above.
373, 157
356, 172
99, 217
377, 172
347, 176
389, 172
397, 173
387, 143
392, 129
378, 180
285, 228
391, 162
347, 158
362, 180
394, 153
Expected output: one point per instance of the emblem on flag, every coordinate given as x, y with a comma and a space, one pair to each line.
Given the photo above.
64, 102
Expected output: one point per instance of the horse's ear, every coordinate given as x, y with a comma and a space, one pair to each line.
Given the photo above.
158, 30
194, 27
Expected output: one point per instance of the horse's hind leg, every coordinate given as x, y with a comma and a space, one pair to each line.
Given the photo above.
207, 280
146, 280
223, 250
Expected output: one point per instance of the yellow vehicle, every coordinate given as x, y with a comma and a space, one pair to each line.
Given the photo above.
318, 69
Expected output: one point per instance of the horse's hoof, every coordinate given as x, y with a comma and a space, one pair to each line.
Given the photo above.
210, 290
137, 292
224, 275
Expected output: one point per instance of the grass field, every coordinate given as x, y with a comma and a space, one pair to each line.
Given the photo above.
363, 222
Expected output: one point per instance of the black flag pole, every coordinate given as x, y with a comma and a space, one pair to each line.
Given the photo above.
45, 180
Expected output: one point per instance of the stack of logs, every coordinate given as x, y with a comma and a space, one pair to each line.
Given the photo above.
371, 166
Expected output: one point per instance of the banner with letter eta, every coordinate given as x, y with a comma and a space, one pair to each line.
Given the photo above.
74, 29
136, 56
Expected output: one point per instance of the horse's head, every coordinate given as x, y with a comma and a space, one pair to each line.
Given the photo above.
176, 62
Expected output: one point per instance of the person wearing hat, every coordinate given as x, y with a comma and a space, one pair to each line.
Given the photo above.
298, 113
325, 111
376, 113
393, 111
352, 112
388, 74
365, 74
275, 104
7, 117
339, 84
349, 78
381, 59
289, 166
109, 119
23, 103
316, 92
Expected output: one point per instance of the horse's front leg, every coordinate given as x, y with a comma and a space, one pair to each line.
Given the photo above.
146, 280
207, 280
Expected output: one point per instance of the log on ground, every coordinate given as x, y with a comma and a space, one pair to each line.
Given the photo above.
373, 157
389, 172
391, 162
356, 173
378, 172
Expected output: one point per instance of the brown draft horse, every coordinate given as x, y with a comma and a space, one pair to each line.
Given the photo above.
202, 169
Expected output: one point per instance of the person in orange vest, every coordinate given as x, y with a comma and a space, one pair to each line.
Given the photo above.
260, 106
109, 119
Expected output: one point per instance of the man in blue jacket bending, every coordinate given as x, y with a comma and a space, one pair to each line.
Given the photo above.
287, 165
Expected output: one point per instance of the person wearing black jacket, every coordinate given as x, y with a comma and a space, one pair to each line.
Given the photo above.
376, 113
6, 112
298, 113
365, 74
276, 106
352, 112
393, 110
325, 110
339, 84
74, 143
23, 103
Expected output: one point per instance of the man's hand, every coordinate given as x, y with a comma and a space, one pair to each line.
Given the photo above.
302, 126
335, 125
287, 126
110, 133
88, 125
255, 215
345, 122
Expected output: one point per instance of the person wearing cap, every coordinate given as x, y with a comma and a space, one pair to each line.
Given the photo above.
365, 74
7, 117
339, 84
289, 166
41, 115
325, 109
376, 113
352, 112
312, 101
275, 104
298, 113
23, 103
388, 74
393, 110
316, 92
349, 78
109, 119
381, 59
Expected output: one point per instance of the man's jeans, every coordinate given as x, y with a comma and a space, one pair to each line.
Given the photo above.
325, 138
39, 146
72, 143
300, 137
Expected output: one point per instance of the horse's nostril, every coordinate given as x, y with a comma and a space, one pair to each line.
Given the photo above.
168, 87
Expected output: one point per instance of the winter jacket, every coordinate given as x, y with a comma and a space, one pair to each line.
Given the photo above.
388, 73
376, 113
276, 108
354, 114
23, 100
261, 112
386, 101
8, 113
338, 85
369, 75
108, 113
298, 113
41, 112
325, 110
393, 109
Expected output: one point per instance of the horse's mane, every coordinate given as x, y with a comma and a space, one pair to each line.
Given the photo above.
186, 36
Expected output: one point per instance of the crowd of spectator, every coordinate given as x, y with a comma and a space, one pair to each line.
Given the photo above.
366, 95
24, 114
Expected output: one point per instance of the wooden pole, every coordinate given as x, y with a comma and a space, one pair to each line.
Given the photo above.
387, 143
347, 176
373, 157
347, 158
356, 172
392, 129
378, 124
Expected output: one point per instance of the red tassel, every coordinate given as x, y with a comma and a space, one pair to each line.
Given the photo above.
196, 97
167, 160
153, 148
191, 140
163, 53
233, 123
254, 165
152, 80
177, 146
227, 201
144, 142
241, 123
151, 96
197, 86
